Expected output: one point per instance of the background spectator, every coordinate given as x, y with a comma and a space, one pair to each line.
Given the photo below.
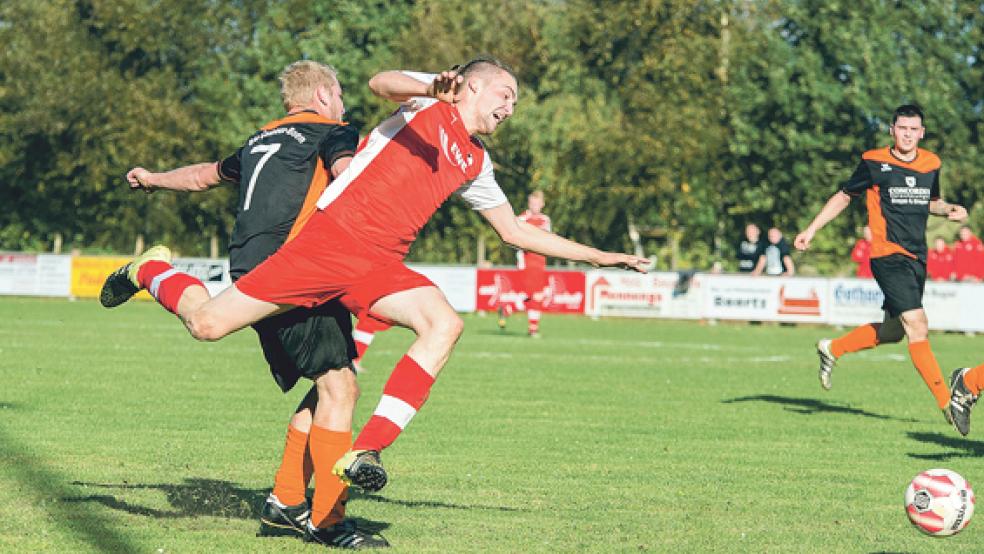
861, 254
775, 259
939, 262
748, 249
968, 256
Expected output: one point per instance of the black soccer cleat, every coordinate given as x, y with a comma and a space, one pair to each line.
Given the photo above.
361, 468
344, 534
117, 289
278, 520
961, 401
122, 284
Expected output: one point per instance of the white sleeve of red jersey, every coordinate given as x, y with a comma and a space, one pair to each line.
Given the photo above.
483, 193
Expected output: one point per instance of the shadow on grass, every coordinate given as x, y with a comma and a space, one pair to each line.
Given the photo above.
192, 498
505, 333
34, 474
430, 504
810, 406
961, 448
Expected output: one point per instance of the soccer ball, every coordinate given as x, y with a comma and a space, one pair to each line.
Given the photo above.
939, 502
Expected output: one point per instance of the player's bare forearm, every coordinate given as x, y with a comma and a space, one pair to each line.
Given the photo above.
524, 236
953, 212
396, 86
190, 178
834, 206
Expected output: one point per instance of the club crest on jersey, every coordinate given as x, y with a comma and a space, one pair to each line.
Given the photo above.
910, 181
453, 152
886, 167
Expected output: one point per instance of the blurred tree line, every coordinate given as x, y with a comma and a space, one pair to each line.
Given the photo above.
672, 121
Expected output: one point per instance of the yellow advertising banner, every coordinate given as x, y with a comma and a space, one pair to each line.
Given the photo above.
89, 273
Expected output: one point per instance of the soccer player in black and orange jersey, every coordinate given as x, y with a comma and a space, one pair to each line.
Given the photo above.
281, 171
901, 187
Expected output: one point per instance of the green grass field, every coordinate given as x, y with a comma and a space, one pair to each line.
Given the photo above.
118, 433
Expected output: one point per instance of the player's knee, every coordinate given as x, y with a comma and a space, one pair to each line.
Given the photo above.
450, 327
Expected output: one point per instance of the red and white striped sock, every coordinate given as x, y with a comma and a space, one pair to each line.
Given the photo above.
405, 392
533, 315
165, 283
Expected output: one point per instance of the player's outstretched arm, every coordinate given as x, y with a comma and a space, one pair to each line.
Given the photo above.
834, 206
524, 236
400, 87
953, 212
190, 178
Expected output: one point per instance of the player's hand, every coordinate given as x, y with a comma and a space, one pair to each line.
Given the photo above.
957, 213
444, 87
802, 240
624, 261
139, 178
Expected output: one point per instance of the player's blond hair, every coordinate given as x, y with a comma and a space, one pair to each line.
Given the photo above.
300, 80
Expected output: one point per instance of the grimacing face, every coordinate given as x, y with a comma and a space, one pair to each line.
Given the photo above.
907, 131
496, 99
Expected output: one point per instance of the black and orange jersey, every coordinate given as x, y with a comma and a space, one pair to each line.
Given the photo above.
281, 170
897, 194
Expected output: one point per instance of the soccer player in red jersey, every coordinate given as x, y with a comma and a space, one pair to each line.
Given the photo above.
901, 187
533, 267
968, 256
861, 254
282, 170
353, 247
939, 261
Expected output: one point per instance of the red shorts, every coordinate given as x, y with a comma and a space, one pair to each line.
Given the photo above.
324, 262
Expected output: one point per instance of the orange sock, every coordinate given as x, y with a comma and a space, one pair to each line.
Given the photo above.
328, 507
291, 480
974, 379
861, 338
925, 362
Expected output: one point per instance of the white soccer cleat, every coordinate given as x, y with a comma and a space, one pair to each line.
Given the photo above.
827, 362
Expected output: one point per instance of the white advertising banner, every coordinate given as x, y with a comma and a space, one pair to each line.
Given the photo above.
456, 282
213, 272
624, 294
765, 298
945, 303
35, 274
971, 308
854, 301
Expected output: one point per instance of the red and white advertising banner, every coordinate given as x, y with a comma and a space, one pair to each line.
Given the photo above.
765, 298
35, 274
564, 292
625, 294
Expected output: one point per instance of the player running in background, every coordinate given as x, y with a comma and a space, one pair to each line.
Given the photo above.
533, 267
281, 171
901, 187
353, 247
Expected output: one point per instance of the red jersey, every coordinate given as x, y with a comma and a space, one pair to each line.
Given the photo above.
969, 258
940, 264
533, 260
861, 254
410, 164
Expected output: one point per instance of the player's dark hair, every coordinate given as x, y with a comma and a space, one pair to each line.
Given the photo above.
483, 63
907, 110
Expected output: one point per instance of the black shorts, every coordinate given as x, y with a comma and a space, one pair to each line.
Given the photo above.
306, 342
902, 279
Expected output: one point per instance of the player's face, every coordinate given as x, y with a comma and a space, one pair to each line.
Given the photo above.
907, 131
495, 101
535, 204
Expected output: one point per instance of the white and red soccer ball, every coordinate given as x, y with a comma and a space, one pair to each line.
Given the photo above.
939, 502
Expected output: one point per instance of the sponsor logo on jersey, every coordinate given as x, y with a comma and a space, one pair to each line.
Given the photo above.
453, 152
910, 181
885, 167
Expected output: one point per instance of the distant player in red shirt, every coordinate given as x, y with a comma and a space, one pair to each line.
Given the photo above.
968, 255
861, 254
353, 247
533, 267
939, 262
